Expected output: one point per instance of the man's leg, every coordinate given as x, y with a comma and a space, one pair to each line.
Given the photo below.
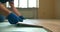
12, 18
3, 12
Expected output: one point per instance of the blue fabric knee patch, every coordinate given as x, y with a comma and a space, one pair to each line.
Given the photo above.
12, 18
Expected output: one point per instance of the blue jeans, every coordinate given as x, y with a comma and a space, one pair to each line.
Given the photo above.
2, 18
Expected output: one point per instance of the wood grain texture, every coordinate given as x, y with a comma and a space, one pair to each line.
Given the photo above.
46, 9
51, 24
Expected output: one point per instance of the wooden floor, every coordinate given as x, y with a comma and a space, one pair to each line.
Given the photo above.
51, 24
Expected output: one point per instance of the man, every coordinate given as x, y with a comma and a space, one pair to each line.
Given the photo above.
13, 18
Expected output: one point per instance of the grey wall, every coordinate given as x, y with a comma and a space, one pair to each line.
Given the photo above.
28, 12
